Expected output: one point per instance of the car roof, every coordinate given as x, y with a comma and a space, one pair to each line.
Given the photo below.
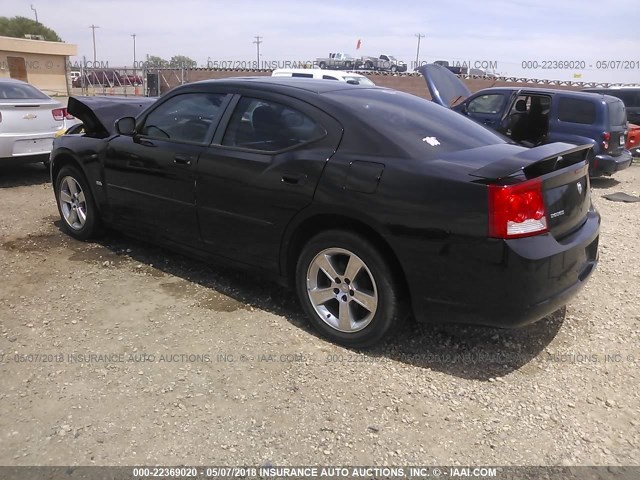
615, 87
275, 84
547, 91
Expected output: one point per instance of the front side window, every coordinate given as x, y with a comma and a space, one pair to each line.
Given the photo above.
576, 110
269, 126
487, 104
186, 118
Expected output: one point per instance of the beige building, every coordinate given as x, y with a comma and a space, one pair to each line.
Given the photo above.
41, 63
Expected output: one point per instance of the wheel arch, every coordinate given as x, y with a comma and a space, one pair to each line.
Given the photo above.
65, 158
310, 226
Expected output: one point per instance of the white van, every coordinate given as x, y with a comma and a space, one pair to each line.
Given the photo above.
317, 73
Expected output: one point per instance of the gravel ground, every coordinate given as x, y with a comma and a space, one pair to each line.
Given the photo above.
120, 353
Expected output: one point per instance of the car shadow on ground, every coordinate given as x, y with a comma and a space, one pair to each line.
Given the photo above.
471, 352
604, 182
23, 174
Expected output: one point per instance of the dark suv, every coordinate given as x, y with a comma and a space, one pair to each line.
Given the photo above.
536, 116
629, 95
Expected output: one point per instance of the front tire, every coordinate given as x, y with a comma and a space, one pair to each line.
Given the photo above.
347, 288
76, 205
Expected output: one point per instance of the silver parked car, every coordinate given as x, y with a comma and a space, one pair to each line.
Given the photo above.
29, 120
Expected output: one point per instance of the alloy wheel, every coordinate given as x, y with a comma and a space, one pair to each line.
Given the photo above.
342, 290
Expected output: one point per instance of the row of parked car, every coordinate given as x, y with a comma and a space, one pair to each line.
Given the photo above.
477, 212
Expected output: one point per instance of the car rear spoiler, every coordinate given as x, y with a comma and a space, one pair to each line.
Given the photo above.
535, 161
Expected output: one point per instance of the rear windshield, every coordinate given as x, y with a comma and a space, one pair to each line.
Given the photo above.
617, 113
414, 122
16, 91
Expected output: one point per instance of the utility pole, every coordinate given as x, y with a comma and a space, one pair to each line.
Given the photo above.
36, 12
134, 51
419, 36
258, 41
93, 30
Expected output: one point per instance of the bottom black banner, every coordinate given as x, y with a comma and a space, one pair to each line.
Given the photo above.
319, 472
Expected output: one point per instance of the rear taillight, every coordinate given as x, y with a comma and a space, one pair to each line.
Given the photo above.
517, 210
60, 114
606, 136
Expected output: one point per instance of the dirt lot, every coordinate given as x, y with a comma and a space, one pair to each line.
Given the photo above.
119, 353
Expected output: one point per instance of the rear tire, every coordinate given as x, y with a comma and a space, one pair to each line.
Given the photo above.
76, 205
347, 288
322, 65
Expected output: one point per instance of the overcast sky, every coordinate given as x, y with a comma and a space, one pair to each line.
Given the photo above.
506, 32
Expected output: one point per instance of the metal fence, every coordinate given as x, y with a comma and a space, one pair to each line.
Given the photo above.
149, 82
153, 82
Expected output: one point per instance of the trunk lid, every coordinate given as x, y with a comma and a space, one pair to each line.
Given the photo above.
29, 116
445, 87
563, 171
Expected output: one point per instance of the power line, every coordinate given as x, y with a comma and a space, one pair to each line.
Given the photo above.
36, 12
419, 36
93, 31
258, 41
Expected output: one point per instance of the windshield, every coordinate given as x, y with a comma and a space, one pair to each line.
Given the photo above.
392, 58
360, 80
425, 128
17, 91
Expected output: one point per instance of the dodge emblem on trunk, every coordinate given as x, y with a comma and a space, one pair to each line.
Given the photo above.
579, 185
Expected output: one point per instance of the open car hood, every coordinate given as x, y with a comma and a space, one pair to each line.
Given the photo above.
445, 87
99, 114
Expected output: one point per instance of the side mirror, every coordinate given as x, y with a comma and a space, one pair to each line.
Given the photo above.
461, 108
126, 126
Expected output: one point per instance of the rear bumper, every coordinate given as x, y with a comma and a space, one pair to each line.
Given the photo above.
30, 145
606, 164
505, 283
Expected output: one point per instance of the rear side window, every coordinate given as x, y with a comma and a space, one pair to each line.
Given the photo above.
16, 91
576, 110
268, 126
617, 113
302, 75
328, 77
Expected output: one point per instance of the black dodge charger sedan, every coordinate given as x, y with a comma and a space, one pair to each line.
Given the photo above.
372, 203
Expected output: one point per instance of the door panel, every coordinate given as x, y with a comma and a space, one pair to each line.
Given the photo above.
151, 185
17, 68
151, 176
252, 185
